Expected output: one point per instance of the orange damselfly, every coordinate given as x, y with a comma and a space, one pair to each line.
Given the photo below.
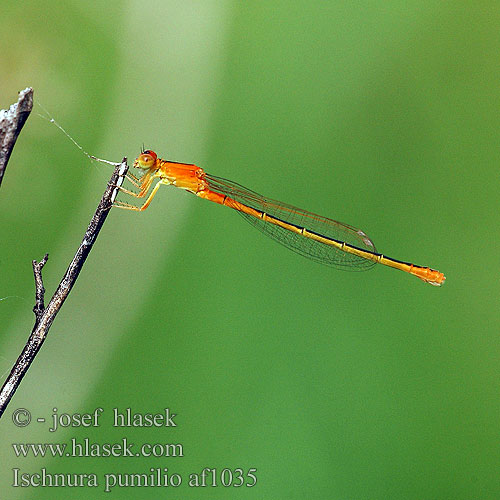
318, 238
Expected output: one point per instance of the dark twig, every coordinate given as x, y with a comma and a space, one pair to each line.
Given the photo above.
45, 317
39, 289
11, 123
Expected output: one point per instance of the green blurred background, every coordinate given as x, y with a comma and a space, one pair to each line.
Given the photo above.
334, 385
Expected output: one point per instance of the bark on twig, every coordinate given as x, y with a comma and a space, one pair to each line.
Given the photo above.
39, 289
45, 316
11, 123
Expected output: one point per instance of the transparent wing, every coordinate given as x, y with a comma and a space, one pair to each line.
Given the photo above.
315, 250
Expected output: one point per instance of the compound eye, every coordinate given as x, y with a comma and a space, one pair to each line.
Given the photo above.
150, 153
147, 159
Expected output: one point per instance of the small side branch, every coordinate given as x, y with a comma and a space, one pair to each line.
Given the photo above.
39, 288
11, 123
45, 316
